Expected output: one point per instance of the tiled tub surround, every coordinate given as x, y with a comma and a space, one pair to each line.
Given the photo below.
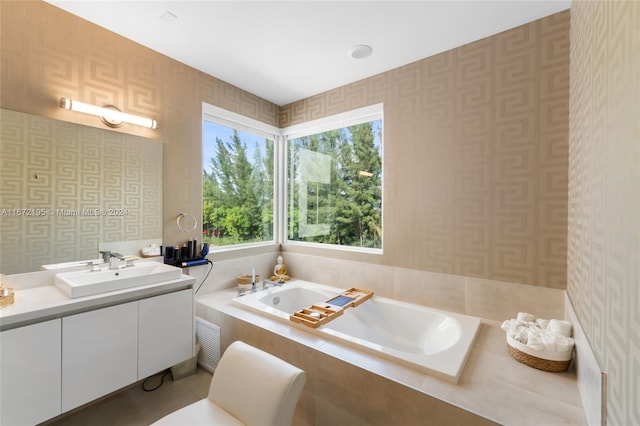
347, 386
227, 266
495, 300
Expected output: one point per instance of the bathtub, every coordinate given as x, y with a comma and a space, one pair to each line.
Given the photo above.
429, 340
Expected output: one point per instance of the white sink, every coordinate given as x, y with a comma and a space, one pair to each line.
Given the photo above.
89, 283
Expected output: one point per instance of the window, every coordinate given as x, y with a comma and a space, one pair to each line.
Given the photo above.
319, 182
335, 180
237, 179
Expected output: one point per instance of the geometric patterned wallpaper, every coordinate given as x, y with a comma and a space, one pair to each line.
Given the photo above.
48, 53
475, 155
604, 193
65, 187
475, 143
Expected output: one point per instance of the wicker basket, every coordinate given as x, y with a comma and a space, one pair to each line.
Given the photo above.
533, 358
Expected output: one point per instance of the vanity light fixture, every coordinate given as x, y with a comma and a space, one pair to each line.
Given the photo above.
110, 115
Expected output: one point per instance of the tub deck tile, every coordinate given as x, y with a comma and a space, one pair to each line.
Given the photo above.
492, 385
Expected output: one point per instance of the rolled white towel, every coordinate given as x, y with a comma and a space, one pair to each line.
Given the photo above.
560, 326
534, 337
563, 343
534, 328
535, 342
542, 323
526, 317
508, 325
549, 342
520, 335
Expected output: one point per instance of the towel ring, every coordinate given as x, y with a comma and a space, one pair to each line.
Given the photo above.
180, 224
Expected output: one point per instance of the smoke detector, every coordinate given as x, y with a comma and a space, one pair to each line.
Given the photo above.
360, 51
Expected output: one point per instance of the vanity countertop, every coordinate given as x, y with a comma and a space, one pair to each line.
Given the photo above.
46, 302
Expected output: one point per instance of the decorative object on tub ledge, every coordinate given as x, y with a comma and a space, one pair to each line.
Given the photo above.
321, 313
280, 271
248, 282
109, 114
6, 296
539, 343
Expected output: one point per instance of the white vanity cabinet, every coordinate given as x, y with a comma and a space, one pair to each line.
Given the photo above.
30, 373
107, 349
99, 353
165, 331
91, 349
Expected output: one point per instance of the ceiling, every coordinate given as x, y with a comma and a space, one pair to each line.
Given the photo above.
284, 51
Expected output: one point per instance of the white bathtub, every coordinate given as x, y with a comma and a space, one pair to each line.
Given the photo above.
436, 342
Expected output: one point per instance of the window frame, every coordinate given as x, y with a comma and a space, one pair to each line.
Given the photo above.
280, 137
240, 122
332, 122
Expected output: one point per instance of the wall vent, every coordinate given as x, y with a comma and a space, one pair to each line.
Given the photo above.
208, 335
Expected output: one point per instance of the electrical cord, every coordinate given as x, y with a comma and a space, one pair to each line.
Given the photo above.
163, 373
206, 276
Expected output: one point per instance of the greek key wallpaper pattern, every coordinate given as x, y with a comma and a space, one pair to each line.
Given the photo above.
475, 138
475, 155
65, 187
604, 194
48, 53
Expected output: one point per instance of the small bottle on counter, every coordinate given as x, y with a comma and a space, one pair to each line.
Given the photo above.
191, 249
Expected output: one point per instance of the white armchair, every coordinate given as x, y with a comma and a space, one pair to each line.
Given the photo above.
249, 387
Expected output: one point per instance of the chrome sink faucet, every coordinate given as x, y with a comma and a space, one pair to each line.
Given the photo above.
116, 260
106, 256
268, 283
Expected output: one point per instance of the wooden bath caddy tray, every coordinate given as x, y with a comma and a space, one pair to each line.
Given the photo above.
321, 313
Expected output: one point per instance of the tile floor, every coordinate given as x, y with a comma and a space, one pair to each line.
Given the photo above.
133, 406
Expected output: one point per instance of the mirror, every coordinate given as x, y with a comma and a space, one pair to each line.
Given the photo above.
65, 188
